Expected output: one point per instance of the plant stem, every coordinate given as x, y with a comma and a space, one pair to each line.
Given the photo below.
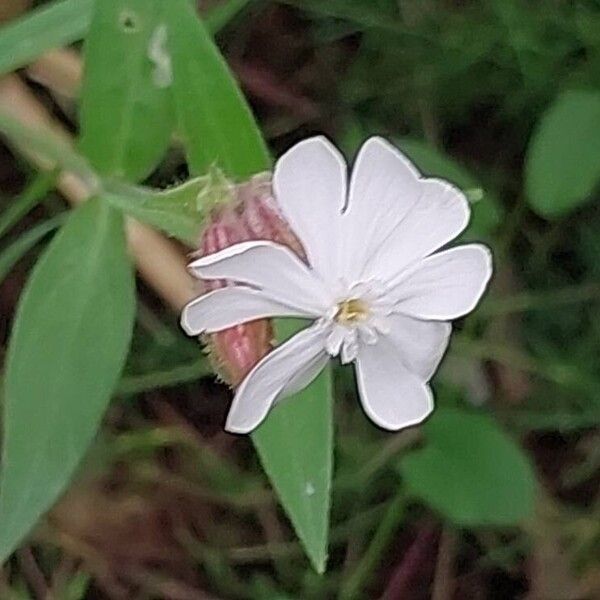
443, 582
380, 459
136, 384
541, 300
353, 585
568, 376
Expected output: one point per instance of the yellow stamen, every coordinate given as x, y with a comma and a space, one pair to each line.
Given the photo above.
351, 311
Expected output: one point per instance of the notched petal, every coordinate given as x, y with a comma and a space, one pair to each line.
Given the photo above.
383, 188
309, 183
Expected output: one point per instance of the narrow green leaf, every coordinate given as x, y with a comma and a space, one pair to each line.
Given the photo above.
295, 447
68, 346
178, 211
471, 471
51, 26
126, 117
214, 119
131, 385
562, 166
486, 212
12, 254
161, 210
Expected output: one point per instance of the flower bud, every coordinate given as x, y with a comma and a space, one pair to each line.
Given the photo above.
248, 212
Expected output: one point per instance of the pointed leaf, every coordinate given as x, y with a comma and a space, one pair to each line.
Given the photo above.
126, 116
178, 211
214, 119
175, 213
68, 346
295, 447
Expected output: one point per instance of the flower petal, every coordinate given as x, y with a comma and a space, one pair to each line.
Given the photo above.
270, 267
229, 306
280, 373
440, 215
309, 183
305, 375
384, 187
390, 394
421, 344
335, 339
447, 285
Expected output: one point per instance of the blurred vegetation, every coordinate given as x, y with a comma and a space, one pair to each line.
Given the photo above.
501, 97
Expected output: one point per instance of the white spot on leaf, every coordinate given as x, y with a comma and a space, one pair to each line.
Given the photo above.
162, 74
309, 489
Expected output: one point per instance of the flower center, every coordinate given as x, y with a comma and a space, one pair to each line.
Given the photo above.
352, 312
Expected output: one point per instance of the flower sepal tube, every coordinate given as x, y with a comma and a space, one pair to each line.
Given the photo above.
241, 213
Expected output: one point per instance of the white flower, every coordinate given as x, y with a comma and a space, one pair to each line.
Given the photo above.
378, 295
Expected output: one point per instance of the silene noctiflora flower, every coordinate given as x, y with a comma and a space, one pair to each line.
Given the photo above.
378, 289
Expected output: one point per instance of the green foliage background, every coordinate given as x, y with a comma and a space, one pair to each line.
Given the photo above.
501, 97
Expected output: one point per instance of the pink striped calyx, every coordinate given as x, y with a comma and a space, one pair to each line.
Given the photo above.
242, 212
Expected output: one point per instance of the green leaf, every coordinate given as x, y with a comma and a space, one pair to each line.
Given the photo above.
295, 447
126, 115
67, 349
486, 213
214, 120
173, 212
131, 385
12, 254
66, 21
178, 211
562, 166
51, 26
470, 471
